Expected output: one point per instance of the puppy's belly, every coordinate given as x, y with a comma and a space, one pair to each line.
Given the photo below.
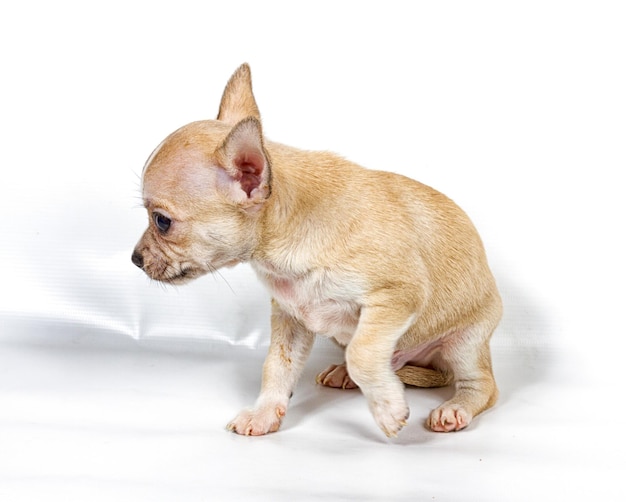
422, 355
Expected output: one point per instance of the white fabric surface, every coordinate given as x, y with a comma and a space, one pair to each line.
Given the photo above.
116, 388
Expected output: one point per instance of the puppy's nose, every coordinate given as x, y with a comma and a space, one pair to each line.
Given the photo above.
137, 258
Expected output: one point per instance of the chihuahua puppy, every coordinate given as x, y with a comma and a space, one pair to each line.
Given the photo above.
389, 268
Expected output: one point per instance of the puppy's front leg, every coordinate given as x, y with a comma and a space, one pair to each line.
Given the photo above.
368, 357
290, 346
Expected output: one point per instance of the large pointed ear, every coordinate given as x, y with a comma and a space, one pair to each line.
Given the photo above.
245, 174
238, 101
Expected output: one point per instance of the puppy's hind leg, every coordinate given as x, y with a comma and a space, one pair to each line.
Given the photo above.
466, 353
336, 376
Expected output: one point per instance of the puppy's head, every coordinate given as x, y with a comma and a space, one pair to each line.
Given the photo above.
204, 188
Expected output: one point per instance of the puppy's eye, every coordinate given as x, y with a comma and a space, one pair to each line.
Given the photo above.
162, 222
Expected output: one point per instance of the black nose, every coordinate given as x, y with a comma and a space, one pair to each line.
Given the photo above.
137, 259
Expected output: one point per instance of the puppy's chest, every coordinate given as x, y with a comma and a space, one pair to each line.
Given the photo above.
326, 305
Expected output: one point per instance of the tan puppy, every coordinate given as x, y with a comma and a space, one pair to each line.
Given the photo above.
389, 268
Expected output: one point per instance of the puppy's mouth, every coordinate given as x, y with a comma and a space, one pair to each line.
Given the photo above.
157, 269
184, 275
187, 273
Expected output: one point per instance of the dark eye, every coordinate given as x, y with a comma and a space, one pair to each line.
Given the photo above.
162, 222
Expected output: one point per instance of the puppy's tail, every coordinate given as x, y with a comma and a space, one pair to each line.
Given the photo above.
423, 377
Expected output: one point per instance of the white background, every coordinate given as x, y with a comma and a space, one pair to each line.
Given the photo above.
115, 388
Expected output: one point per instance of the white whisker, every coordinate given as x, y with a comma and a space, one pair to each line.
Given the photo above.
215, 272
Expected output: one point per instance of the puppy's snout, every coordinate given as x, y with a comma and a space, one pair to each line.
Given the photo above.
137, 258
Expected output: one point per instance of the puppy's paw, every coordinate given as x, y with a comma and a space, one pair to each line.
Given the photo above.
448, 418
391, 416
258, 421
336, 376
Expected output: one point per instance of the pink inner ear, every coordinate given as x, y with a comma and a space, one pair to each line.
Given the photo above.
250, 166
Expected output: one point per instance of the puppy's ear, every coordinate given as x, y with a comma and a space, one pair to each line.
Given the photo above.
238, 100
245, 172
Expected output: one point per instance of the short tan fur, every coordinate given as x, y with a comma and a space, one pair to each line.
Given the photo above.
389, 268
